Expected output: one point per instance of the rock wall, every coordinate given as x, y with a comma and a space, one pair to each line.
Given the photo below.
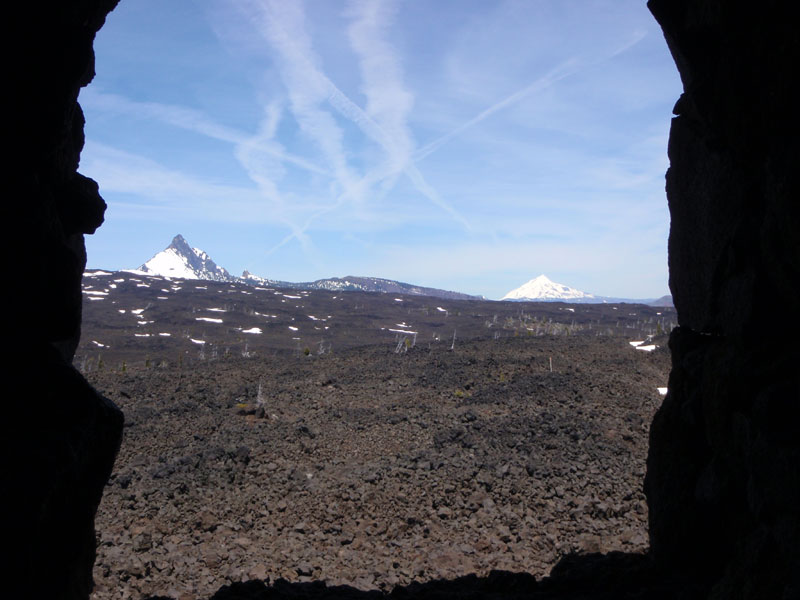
723, 479
59, 436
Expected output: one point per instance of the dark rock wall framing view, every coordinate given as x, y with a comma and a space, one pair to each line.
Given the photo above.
723, 480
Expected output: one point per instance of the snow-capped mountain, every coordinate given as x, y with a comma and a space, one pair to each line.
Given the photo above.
542, 289
179, 259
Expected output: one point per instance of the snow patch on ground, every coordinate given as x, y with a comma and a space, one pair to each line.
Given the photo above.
252, 330
209, 319
194, 341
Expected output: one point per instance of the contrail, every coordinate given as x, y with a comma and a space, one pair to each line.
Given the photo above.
302, 69
562, 71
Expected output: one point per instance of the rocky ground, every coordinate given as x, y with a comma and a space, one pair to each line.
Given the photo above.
374, 469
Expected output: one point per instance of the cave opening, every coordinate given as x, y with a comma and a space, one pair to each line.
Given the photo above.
101, 107
722, 477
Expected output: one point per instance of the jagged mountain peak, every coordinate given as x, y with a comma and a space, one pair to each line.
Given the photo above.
179, 242
179, 259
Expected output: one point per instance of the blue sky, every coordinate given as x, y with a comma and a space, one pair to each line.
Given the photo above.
466, 145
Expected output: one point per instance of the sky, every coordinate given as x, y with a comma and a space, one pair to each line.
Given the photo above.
469, 145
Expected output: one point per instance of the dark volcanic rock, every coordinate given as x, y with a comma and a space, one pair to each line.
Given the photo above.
330, 486
723, 478
59, 436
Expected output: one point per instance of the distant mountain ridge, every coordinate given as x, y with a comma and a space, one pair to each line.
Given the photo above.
179, 259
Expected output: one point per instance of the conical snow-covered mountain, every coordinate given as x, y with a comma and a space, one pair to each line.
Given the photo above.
179, 259
541, 289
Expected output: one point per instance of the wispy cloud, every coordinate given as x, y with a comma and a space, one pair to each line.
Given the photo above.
560, 72
310, 90
188, 119
566, 69
153, 186
388, 102
282, 25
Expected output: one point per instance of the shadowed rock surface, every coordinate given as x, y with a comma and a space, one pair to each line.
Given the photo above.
59, 436
723, 470
723, 480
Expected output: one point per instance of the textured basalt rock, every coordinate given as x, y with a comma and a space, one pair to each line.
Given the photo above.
723, 480
59, 436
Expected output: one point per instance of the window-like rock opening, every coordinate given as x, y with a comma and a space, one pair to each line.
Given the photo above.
723, 482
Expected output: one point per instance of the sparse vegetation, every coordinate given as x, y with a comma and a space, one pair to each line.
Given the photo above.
319, 321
